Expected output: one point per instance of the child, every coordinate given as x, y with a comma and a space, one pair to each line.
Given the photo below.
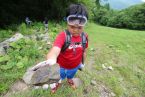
28, 21
46, 23
69, 60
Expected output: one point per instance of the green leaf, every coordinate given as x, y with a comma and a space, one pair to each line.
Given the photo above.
13, 44
20, 65
6, 67
4, 58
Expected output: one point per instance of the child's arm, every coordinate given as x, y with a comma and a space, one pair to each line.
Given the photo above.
51, 58
53, 54
83, 62
85, 54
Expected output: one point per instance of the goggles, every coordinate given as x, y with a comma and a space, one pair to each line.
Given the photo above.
76, 20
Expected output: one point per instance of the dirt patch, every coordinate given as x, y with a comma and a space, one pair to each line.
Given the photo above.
103, 91
18, 86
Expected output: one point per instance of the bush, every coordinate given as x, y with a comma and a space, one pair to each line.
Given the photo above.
132, 17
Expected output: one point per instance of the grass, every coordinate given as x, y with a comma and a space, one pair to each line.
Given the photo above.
120, 48
22, 54
124, 51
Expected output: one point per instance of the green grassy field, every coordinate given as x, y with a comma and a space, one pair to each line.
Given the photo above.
124, 51
120, 48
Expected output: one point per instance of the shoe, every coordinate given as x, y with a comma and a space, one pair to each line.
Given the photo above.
54, 89
71, 83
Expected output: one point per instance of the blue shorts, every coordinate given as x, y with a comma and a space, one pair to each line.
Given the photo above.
68, 73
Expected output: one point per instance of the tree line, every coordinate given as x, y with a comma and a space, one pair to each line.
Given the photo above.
132, 17
15, 11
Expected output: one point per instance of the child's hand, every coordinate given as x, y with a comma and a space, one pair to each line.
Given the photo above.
81, 66
42, 64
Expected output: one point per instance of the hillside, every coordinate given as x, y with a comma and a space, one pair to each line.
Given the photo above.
120, 49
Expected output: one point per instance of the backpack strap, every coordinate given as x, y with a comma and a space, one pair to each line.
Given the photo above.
84, 42
67, 41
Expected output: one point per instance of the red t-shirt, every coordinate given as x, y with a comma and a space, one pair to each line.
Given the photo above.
72, 56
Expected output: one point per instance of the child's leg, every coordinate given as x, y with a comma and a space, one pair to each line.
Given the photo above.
62, 73
55, 86
71, 73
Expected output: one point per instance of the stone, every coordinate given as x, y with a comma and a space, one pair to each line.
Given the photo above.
112, 94
103, 91
42, 75
93, 82
110, 68
5, 44
19, 86
77, 81
53, 85
40, 48
103, 66
111, 46
15, 37
45, 86
36, 87
92, 49
33, 37
3, 47
45, 37
2, 51
48, 43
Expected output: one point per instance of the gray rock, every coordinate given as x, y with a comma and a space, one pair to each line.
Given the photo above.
93, 82
33, 37
5, 44
103, 91
111, 46
103, 66
45, 86
45, 37
15, 37
3, 47
113, 94
18, 86
48, 43
78, 82
2, 51
92, 49
42, 75
36, 87
110, 68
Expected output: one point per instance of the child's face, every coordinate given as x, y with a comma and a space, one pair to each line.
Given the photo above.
75, 29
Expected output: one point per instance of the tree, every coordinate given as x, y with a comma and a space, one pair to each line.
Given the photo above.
14, 11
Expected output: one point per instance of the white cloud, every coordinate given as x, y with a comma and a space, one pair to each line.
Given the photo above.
143, 0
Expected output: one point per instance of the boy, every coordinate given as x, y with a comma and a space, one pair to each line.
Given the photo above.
72, 57
28, 21
45, 23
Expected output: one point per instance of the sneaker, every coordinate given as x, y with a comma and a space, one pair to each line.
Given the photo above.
71, 83
55, 87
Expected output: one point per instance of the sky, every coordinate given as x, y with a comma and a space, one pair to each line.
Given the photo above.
122, 4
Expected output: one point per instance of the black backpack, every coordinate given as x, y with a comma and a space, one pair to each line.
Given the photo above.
68, 42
